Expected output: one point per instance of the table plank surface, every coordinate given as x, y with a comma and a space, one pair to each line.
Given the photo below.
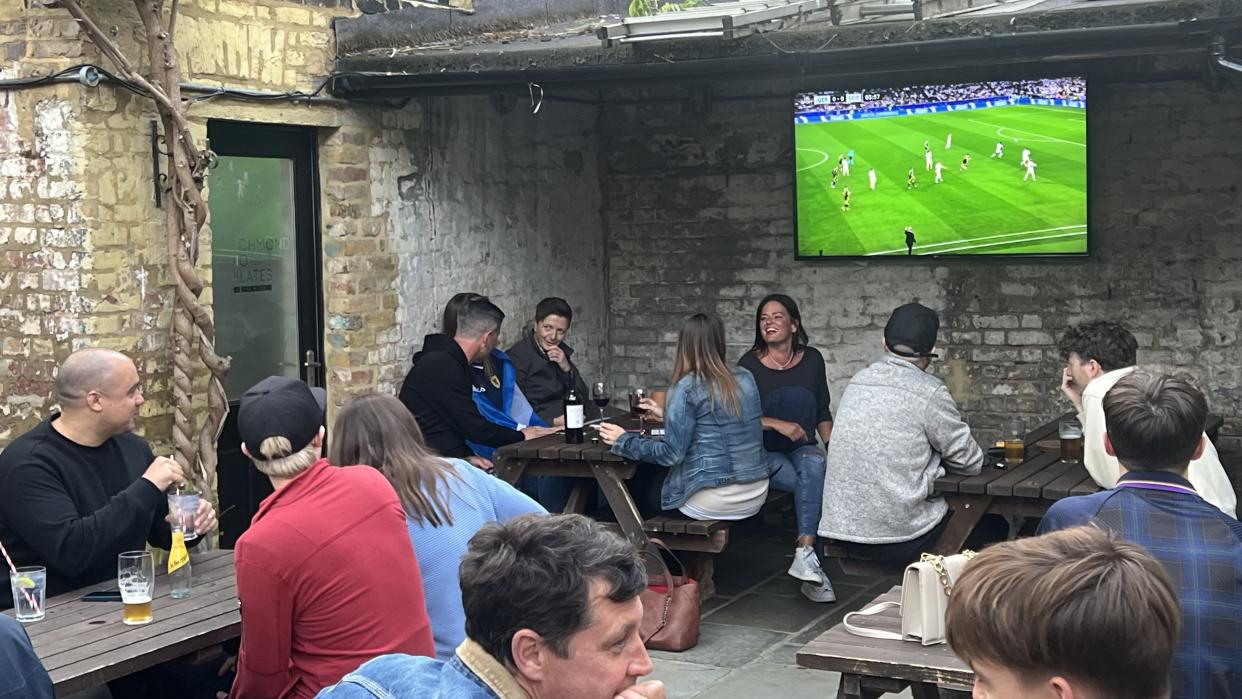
1004, 485
554, 448
838, 650
84, 644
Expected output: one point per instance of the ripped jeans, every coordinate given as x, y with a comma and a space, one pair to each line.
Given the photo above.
801, 472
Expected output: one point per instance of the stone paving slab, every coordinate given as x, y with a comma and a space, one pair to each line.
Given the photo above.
750, 635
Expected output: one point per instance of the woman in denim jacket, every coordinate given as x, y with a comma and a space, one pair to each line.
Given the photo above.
712, 451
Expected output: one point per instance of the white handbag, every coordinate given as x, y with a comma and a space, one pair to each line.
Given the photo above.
925, 590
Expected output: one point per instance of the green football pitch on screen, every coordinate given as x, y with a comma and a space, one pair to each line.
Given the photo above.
994, 205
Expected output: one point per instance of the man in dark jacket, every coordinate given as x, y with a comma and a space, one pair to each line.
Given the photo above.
544, 362
81, 487
437, 390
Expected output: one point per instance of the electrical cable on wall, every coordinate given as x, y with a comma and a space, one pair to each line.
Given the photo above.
91, 75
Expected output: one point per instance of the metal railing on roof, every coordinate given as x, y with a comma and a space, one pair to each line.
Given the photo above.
727, 20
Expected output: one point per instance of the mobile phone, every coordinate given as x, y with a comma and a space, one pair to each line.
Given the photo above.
113, 595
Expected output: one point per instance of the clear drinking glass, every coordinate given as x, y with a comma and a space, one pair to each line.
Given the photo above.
135, 575
1015, 441
1070, 432
28, 585
183, 507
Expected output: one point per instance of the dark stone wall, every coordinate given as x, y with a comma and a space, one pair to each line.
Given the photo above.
698, 214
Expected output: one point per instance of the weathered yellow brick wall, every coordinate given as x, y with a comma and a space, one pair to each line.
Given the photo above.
81, 242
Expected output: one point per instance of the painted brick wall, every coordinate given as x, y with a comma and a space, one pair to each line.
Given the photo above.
494, 199
698, 218
82, 242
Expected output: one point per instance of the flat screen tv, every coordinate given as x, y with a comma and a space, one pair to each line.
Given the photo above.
987, 168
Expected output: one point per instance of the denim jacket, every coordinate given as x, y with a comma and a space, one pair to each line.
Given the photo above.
470, 674
704, 444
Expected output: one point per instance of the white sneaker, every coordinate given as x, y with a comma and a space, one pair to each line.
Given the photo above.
819, 593
806, 566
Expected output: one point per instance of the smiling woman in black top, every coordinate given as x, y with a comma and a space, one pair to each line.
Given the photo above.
793, 386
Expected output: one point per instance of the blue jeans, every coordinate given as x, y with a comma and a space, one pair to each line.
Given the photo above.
801, 472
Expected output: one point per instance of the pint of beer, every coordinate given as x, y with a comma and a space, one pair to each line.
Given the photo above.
135, 575
1071, 441
1015, 442
136, 613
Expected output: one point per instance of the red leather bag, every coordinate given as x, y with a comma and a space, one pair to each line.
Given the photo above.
670, 606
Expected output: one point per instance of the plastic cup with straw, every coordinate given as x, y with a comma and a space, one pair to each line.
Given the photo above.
25, 590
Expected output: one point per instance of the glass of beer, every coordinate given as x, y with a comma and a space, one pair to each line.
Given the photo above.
1071, 441
135, 575
1015, 442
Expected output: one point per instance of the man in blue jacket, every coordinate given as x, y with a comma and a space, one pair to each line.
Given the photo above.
21, 674
1155, 428
552, 612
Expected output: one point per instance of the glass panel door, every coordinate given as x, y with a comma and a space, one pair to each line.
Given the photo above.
267, 289
254, 269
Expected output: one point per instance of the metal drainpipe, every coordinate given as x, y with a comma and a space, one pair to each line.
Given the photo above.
1218, 52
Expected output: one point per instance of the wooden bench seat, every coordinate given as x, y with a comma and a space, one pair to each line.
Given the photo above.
683, 525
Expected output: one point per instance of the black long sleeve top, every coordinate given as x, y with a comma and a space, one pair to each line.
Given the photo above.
74, 508
437, 390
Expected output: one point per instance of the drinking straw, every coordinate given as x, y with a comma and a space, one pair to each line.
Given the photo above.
13, 569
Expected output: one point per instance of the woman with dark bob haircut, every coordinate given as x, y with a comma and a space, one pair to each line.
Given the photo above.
793, 386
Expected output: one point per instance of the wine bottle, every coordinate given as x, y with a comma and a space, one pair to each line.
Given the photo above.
575, 415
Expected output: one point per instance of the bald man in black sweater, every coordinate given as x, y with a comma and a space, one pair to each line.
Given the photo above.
80, 487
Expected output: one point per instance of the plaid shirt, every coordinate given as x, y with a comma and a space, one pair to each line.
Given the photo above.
1201, 548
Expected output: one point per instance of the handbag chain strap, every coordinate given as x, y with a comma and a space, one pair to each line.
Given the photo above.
937, 564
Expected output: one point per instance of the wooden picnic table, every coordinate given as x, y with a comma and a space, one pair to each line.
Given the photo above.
870, 667
551, 456
85, 644
1027, 489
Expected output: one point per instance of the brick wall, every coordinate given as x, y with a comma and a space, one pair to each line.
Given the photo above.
698, 217
58, 286
417, 203
494, 199
82, 242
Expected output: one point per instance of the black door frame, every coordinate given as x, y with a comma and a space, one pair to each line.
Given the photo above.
240, 495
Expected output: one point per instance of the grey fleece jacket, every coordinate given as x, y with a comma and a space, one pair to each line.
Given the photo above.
896, 431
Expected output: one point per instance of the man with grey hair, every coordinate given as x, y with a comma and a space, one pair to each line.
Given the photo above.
437, 390
552, 612
80, 487
897, 430
326, 574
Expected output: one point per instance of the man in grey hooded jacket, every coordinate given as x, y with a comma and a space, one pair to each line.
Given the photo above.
896, 431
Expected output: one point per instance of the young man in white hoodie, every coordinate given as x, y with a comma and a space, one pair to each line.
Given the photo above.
1097, 354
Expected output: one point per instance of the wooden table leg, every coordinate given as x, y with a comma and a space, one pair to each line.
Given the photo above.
623, 507
967, 511
923, 690
577, 497
851, 688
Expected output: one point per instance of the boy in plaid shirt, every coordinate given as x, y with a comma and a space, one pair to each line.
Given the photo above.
1155, 428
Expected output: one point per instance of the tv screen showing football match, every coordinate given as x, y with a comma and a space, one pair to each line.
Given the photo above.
986, 168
